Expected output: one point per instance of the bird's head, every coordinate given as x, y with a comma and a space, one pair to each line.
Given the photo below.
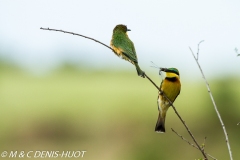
122, 28
170, 72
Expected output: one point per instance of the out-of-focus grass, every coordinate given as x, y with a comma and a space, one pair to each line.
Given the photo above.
112, 115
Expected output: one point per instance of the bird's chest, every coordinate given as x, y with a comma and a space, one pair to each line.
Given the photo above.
171, 89
117, 50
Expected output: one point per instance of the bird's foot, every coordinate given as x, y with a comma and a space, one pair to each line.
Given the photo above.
142, 74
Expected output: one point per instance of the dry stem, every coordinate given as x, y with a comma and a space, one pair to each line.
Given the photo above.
192, 144
214, 104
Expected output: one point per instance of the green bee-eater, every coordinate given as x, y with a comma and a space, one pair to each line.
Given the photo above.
171, 87
124, 47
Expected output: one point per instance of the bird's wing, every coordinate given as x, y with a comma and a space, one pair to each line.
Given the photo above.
130, 49
176, 96
127, 48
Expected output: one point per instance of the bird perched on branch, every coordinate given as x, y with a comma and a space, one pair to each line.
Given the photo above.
124, 47
170, 87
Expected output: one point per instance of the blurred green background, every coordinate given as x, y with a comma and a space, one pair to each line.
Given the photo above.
60, 92
112, 114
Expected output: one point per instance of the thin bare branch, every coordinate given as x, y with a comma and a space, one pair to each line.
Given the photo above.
215, 106
146, 77
203, 144
152, 82
184, 139
192, 144
58, 30
198, 48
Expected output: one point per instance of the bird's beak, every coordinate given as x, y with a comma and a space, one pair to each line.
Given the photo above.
128, 29
164, 69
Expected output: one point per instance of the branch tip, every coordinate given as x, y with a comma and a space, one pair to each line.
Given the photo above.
213, 101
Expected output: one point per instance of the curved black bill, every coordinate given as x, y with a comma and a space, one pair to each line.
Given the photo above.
164, 69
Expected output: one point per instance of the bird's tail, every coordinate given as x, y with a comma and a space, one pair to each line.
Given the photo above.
160, 126
139, 71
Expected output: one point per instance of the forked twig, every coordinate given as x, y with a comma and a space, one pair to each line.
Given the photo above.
146, 77
214, 104
185, 125
203, 144
192, 144
198, 48
236, 50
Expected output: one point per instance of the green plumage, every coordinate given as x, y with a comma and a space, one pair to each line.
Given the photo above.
124, 47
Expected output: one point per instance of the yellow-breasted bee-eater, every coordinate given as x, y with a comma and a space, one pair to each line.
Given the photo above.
170, 87
124, 47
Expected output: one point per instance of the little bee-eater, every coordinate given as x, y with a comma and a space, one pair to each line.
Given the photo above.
124, 47
170, 87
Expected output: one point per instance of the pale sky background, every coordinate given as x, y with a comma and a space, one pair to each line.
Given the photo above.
162, 31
